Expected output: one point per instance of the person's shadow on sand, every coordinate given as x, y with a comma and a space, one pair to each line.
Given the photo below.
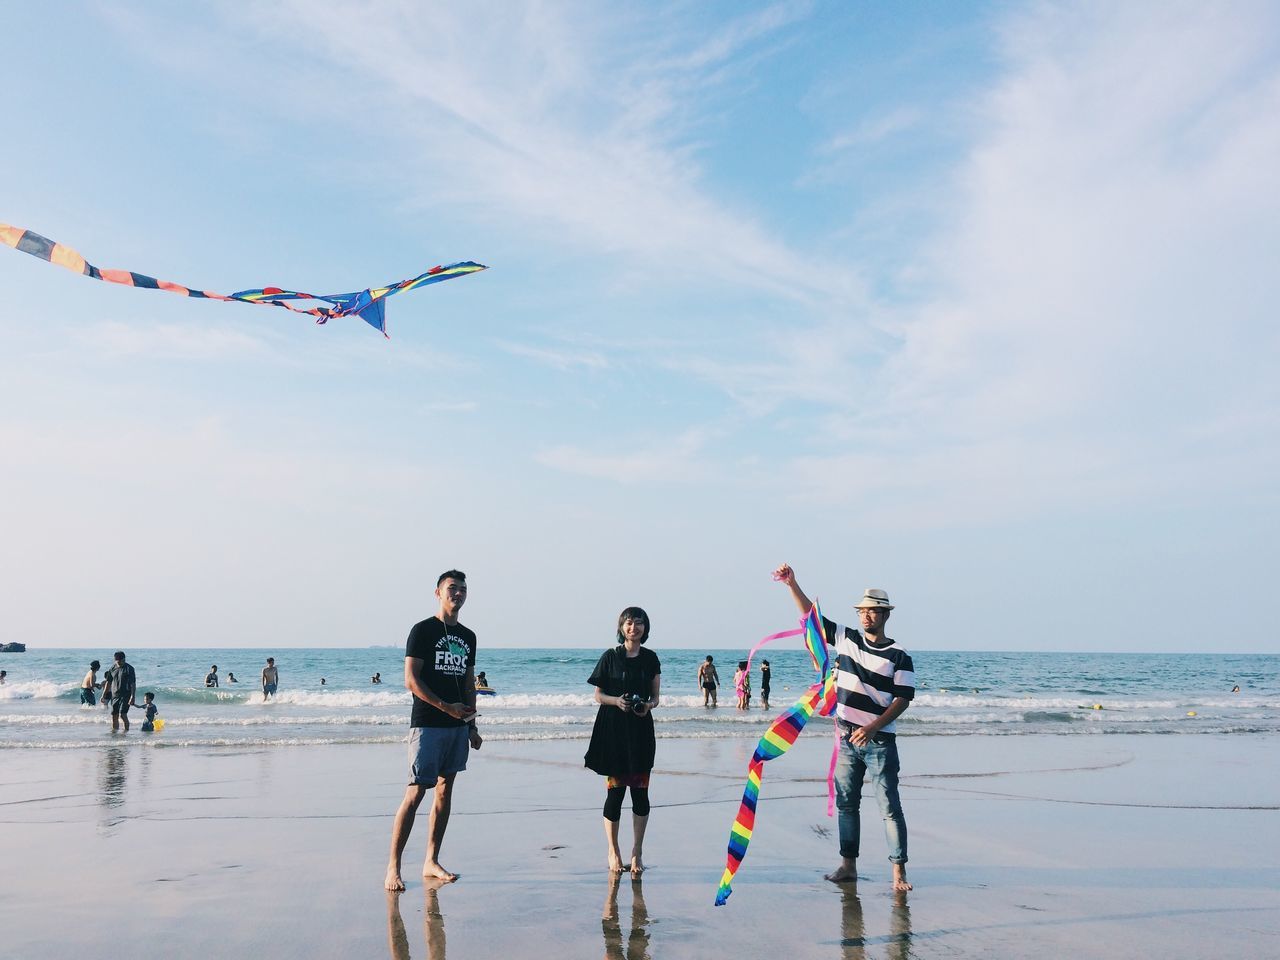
432, 923
637, 943
853, 937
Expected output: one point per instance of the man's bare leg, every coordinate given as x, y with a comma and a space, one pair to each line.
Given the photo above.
400, 831
611, 839
847, 871
637, 846
900, 883
440, 805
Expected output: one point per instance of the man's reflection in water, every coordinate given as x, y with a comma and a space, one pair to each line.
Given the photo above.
432, 923
111, 781
637, 944
853, 937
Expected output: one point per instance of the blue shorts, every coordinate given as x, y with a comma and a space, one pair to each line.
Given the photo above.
120, 707
87, 696
268, 689
436, 752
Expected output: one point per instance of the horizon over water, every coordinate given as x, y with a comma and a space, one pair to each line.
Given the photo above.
542, 694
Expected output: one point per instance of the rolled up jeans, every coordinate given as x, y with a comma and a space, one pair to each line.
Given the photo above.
879, 758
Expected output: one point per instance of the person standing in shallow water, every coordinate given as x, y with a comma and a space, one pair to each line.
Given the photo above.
627, 679
709, 681
439, 670
124, 690
875, 683
270, 679
89, 684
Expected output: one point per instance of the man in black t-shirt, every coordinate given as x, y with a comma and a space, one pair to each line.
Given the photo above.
124, 688
439, 670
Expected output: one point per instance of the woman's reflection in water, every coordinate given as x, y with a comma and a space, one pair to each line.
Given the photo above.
637, 947
432, 923
853, 937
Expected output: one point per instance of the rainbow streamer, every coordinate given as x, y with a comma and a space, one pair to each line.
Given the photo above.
820, 698
369, 305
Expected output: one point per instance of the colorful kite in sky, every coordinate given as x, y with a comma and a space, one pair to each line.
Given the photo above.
368, 305
779, 738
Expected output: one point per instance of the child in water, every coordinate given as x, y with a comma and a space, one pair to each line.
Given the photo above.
149, 703
742, 685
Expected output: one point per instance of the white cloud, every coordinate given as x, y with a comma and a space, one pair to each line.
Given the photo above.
676, 460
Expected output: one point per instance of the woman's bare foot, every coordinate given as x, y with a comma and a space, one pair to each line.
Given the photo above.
845, 873
900, 883
393, 881
433, 871
637, 866
615, 862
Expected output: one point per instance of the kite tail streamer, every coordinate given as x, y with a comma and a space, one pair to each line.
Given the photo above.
778, 739
368, 305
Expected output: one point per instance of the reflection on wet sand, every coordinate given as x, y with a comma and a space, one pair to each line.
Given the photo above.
432, 923
853, 937
637, 943
111, 784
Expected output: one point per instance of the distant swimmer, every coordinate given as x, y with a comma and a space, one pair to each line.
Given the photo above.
231, 677
482, 685
709, 681
1236, 688
90, 683
211, 678
376, 678
322, 681
3, 675
270, 679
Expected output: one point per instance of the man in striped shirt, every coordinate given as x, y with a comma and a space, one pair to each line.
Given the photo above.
875, 681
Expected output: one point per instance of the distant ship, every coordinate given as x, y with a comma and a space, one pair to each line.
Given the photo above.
13, 648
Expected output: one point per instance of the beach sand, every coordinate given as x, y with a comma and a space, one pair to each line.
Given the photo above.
1044, 847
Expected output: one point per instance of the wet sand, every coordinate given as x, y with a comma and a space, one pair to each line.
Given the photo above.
1106, 846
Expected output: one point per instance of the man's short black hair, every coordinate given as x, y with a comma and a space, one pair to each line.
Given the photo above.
119, 655
451, 575
634, 613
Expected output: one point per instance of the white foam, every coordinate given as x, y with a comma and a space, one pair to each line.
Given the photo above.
35, 690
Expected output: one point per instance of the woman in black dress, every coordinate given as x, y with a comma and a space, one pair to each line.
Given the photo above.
627, 680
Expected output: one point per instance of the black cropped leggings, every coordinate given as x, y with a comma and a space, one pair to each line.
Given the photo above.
613, 802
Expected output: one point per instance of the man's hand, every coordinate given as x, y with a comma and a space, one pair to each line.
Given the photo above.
476, 739
459, 711
784, 574
861, 736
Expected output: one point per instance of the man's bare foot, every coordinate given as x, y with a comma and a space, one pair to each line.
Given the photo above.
393, 881
433, 871
900, 883
847, 872
637, 866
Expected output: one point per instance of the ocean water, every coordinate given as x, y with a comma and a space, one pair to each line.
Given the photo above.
543, 694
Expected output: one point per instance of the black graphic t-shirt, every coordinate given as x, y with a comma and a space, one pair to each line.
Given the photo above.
447, 653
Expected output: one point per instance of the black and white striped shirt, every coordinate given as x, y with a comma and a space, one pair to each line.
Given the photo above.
868, 676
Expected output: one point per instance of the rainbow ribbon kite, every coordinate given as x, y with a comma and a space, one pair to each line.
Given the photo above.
368, 305
778, 739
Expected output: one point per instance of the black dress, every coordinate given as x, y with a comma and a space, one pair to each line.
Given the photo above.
622, 743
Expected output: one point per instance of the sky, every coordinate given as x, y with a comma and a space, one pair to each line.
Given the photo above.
971, 302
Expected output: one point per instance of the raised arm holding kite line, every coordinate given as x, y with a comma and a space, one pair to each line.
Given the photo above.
368, 304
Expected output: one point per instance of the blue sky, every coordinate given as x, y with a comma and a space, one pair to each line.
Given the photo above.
974, 302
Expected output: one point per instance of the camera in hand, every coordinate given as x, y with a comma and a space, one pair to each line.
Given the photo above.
633, 700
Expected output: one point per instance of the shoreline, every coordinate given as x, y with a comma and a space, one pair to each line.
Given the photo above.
1028, 846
